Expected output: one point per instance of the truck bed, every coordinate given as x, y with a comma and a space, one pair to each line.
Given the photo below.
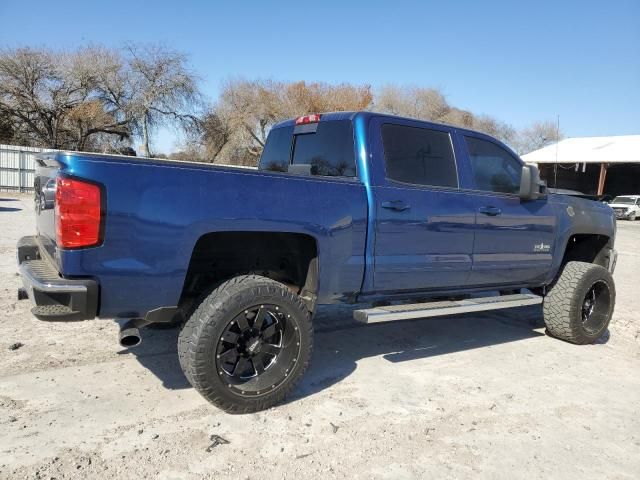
156, 210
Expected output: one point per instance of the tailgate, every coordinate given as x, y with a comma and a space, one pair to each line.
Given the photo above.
47, 169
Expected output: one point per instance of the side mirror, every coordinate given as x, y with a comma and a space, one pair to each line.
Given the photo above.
531, 187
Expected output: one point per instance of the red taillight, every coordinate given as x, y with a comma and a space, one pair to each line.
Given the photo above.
314, 118
77, 213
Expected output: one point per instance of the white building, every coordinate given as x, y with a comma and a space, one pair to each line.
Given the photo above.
592, 165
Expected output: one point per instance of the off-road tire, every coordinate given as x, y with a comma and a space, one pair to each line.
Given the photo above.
183, 344
201, 335
185, 328
564, 302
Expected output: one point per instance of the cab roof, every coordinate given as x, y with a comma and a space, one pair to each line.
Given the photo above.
350, 115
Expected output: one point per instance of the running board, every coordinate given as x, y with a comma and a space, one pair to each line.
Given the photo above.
436, 309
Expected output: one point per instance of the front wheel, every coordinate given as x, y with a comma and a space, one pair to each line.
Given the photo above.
632, 216
578, 308
247, 344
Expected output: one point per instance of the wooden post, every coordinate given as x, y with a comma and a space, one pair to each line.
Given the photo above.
603, 177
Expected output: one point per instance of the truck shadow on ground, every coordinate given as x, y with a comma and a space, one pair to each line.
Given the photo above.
8, 209
340, 343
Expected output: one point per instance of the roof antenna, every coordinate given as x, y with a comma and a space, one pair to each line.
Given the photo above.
555, 168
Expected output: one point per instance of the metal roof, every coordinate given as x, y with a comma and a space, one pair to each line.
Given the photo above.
616, 149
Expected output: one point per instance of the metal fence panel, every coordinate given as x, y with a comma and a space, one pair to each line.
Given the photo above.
17, 167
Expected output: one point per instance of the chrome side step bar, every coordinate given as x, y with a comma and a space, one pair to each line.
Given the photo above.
436, 309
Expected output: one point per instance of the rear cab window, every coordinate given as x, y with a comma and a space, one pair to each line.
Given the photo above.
277, 150
322, 149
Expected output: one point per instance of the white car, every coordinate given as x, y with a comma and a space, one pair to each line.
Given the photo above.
626, 206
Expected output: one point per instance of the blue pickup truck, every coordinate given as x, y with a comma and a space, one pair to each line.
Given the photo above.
410, 218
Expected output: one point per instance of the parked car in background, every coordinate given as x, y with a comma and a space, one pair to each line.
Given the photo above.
626, 207
46, 195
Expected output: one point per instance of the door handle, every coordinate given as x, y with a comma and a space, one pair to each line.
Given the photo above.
491, 211
397, 205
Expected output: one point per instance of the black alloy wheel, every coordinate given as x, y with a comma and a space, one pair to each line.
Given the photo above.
596, 306
257, 350
246, 344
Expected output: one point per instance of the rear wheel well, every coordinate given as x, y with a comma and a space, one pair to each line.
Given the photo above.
288, 258
587, 248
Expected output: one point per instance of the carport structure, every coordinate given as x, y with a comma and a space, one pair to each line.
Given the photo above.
591, 165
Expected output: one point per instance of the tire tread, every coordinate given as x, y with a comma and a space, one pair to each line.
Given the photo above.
561, 315
218, 304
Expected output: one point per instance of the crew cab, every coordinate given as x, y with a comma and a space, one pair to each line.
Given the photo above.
351, 207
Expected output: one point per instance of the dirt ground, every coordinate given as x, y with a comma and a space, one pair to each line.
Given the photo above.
481, 395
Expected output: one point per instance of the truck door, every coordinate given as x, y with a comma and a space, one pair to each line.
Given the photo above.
423, 223
514, 238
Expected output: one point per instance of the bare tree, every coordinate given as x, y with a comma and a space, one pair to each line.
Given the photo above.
500, 130
78, 99
431, 105
162, 91
216, 133
96, 98
250, 108
538, 135
247, 109
300, 98
49, 98
192, 152
7, 134
110, 125
34, 94
415, 102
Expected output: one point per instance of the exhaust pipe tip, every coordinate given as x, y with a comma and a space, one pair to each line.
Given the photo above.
130, 335
130, 339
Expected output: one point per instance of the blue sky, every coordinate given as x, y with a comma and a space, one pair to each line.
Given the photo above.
517, 61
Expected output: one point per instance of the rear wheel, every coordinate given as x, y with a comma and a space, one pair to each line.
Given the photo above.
247, 344
578, 308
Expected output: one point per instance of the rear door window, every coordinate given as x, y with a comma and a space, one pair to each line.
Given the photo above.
419, 156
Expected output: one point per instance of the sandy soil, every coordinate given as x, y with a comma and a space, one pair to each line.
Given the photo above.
464, 397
